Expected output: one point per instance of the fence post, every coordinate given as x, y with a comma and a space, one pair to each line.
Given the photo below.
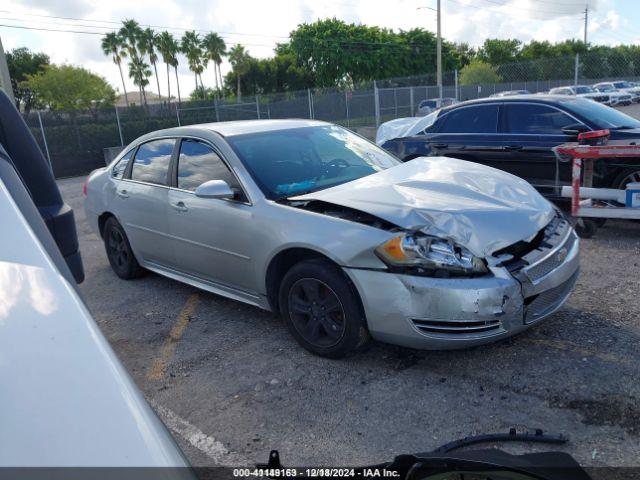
576, 69
346, 105
257, 107
376, 99
455, 82
215, 108
44, 140
411, 100
395, 102
310, 103
178, 115
119, 127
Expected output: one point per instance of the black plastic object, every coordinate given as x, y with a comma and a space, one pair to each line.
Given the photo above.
538, 436
32, 168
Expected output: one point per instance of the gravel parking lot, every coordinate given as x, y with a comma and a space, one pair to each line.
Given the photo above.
232, 384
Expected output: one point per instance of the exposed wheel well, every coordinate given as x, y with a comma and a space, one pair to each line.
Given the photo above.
102, 220
283, 261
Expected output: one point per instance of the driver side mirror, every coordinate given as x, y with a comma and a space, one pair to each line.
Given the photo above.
215, 189
575, 129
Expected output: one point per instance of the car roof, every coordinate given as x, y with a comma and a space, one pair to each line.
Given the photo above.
240, 127
547, 98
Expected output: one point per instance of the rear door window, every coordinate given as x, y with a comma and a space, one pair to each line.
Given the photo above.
535, 119
121, 167
474, 119
151, 163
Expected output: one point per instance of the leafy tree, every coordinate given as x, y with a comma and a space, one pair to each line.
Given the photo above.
112, 45
190, 46
497, 52
169, 49
478, 72
214, 50
240, 60
65, 87
22, 63
148, 44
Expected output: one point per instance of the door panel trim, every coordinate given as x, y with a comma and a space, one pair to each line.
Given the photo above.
182, 239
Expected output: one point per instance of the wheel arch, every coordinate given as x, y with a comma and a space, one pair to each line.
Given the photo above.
285, 259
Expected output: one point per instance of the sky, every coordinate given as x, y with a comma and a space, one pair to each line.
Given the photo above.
259, 24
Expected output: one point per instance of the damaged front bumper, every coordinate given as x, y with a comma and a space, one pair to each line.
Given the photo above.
436, 313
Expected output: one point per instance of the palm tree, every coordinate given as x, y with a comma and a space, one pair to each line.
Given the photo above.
214, 50
148, 44
139, 71
130, 34
190, 46
168, 48
112, 45
238, 57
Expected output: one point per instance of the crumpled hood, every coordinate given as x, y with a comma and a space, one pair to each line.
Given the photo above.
478, 207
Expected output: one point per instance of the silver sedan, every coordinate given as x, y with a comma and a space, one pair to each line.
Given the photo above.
346, 242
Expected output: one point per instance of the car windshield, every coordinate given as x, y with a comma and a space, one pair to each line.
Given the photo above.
600, 115
606, 88
291, 162
580, 90
622, 85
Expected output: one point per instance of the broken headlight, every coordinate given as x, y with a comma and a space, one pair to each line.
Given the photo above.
429, 253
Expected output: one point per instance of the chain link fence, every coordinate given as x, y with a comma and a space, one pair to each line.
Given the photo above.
75, 142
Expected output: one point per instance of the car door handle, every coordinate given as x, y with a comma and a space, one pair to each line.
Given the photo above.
439, 145
122, 193
512, 148
180, 206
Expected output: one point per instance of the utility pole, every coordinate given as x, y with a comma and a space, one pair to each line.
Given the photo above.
586, 21
439, 54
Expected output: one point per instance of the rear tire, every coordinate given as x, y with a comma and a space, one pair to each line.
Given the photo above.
321, 309
628, 175
121, 257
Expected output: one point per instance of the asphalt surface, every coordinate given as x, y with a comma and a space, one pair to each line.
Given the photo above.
232, 384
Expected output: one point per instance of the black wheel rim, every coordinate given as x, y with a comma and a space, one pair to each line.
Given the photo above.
316, 312
631, 178
117, 248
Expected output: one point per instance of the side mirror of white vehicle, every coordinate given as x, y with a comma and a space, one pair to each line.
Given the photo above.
215, 189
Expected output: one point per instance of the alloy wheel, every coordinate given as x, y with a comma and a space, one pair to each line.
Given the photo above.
118, 251
316, 312
631, 178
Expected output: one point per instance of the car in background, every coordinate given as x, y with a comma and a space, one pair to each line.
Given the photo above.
623, 97
624, 86
517, 134
583, 91
342, 239
509, 93
66, 399
425, 107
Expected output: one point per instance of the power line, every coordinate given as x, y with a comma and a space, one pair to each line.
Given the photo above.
551, 12
500, 12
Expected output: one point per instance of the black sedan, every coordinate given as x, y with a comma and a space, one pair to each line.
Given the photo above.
516, 134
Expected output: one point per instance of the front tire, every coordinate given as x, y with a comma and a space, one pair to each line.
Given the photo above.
121, 257
321, 309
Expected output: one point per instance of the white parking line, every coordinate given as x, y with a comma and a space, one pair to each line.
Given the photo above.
212, 448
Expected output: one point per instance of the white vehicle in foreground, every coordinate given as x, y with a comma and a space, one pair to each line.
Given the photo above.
585, 91
66, 399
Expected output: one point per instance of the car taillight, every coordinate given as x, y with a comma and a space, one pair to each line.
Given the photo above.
84, 187
596, 137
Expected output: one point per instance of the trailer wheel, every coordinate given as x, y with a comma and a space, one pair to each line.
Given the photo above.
585, 227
